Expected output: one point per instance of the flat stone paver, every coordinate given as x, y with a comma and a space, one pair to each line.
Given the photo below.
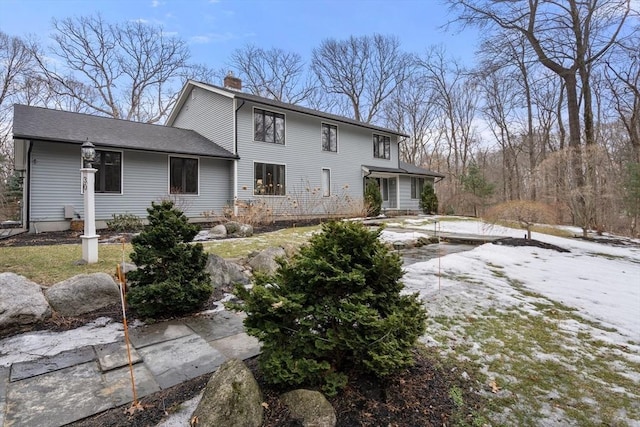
57, 398
4, 380
114, 355
157, 333
118, 384
220, 325
181, 359
239, 346
43, 365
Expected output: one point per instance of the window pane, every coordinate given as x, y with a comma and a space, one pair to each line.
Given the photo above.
112, 172
258, 125
191, 176
334, 138
269, 128
279, 129
387, 148
326, 144
175, 175
258, 183
280, 187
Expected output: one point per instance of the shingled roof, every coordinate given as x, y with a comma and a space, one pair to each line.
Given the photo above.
44, 124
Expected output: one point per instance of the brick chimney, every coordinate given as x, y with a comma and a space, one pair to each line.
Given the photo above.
232, 82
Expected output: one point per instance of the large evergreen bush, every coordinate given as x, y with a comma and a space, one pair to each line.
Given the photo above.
373, 198
336, 306
428, 199
171, 276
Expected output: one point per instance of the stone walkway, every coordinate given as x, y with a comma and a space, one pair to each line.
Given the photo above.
57, 390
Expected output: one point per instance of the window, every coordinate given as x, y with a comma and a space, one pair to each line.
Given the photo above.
109, 175
383, 185
268, 179
329, 138
268, 126
381, 147
326, 182
183, 175
416, 187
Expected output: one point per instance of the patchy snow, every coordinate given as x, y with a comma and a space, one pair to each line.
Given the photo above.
394, 236
601, 281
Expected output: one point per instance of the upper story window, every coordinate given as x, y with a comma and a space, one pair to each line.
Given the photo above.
329, 137
268, 126
183, 175
381, 147
109, 171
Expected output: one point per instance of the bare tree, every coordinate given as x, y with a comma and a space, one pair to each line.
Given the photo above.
361, 71
131, 71
273, 73
411, 110
568, 37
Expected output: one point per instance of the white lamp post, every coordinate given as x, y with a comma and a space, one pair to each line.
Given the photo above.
88, 173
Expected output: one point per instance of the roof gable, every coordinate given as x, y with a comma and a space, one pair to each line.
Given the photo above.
270, 102
64, 126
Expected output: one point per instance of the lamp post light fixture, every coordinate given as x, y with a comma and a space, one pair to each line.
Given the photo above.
88, 174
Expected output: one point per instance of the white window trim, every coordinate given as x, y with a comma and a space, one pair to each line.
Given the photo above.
253, 177
253, 126
179, 156
337, 138
121, 174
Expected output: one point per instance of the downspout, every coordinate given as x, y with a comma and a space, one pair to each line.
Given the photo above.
26, 196
235, 161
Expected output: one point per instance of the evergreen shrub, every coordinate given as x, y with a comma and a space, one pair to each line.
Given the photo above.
171, 278
428, 199
373, 198
335, 307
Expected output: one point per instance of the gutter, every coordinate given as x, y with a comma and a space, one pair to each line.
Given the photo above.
26, 196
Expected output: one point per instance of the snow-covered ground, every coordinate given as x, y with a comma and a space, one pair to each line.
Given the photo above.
555, 335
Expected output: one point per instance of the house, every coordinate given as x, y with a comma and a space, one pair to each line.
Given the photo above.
219, 148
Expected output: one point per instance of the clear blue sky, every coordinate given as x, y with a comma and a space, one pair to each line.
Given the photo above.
214, 28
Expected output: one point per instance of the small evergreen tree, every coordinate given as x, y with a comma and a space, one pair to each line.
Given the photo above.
336, 306
171, 276
373, 198
477, 186
428, 199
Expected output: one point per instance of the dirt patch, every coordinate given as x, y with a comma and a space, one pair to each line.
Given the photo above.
514, 241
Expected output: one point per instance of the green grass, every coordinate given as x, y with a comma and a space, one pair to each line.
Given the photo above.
541, 366
47, 265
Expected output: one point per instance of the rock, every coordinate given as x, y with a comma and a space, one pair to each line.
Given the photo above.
225, 273
232, 398
219, 231
232, 227
22, 304
311, 407
127, 267
290, 249
83, 293
265, 261
235, 229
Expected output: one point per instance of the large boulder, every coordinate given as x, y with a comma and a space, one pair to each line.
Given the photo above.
236, 229
22, 304
232, 398
83, 293
265, 261
311, 407
224, 274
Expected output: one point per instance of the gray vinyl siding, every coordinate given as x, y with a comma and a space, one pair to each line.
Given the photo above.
211, 115
406, 202
55, 182
304, 159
